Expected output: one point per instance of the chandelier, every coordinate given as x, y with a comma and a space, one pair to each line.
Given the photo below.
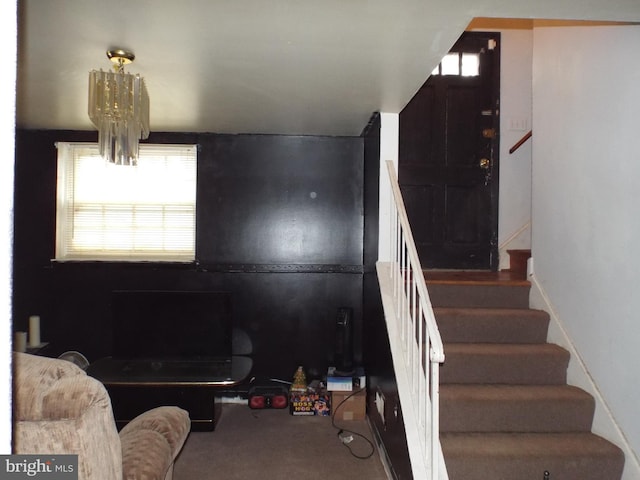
119, 108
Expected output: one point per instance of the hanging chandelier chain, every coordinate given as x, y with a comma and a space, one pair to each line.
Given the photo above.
120, 58
119, 66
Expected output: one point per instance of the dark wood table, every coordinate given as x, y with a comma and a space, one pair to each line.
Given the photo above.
139, 385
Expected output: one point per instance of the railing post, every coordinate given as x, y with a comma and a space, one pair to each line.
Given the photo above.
435, 419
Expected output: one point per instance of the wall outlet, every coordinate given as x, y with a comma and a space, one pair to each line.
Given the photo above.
518, 124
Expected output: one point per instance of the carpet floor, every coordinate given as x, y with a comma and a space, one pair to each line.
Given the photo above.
273, 444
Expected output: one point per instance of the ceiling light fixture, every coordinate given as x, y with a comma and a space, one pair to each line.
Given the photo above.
119, 108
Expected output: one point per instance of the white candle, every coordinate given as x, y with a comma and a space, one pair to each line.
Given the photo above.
34, 331
20, 342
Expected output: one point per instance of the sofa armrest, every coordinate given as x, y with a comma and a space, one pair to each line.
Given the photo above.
73, 416
34, 377
151, 442
71, 397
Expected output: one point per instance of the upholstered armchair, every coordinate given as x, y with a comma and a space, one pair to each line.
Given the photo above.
58, 409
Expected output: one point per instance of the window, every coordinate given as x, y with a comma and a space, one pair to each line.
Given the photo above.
461, 64
124, 213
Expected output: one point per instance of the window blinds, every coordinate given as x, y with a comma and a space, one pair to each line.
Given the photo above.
115, 212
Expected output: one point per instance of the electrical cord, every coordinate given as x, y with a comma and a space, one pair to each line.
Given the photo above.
347, 436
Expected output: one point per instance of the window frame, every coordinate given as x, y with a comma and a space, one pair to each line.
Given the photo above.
71, 154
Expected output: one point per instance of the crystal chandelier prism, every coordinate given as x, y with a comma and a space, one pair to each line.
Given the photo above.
119, 108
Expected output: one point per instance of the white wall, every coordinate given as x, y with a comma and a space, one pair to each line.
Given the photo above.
7, 140
389, 139
586, 220
514, 210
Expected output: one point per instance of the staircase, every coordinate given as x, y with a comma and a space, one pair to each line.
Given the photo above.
506, 411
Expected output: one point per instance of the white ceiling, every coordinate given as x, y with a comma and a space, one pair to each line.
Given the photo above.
254, 66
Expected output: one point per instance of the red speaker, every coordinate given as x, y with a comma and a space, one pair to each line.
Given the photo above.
268, 397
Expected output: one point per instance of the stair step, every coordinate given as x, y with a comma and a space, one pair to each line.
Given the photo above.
481, 295
492, 325
518, 260
515, 408
506, 412
524, 456
544, 364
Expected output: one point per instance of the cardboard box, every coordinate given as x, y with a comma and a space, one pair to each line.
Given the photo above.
310, 403
349, 405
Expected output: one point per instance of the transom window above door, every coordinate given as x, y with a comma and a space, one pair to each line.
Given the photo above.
459, 63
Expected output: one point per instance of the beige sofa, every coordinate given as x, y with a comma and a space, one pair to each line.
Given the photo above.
58, 409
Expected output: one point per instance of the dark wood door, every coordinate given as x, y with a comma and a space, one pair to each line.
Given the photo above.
448, 158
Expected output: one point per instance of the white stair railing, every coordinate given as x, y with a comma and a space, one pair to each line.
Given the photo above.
416, 345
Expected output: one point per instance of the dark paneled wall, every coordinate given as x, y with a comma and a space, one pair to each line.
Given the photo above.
280, 200
280, 224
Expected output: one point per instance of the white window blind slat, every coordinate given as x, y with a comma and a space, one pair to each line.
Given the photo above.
115, 212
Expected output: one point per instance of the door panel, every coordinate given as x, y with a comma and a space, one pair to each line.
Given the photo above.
423, 195
461, 123
448, 163
461, 216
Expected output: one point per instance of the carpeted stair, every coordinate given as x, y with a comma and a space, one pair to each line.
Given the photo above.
506, 411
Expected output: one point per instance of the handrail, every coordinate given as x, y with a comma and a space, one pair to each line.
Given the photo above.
519, 143
415, 341
413, 263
